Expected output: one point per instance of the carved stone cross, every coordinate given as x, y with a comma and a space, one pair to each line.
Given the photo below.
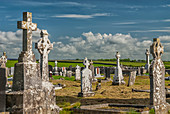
86, 62
44, 46
3, 60
156, 48
27, 26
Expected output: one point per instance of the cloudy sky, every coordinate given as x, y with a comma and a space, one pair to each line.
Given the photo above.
88, 28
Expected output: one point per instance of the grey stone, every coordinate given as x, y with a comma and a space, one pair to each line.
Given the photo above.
132, 77
44, 46
107, 73
3, 60
147, 65
12, 71
118, 78
86, 81
92, 69
69, 74
97, 72
77, 73
56, 69
157, 79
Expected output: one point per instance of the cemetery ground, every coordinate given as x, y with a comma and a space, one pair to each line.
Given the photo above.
67, 97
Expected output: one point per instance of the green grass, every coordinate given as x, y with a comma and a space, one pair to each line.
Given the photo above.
66, 78
11, 63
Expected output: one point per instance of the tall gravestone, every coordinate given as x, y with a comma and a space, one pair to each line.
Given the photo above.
107, 73
147, 65
118, 78
157, 79
86, 81
92, 69
77, 73
3, 82
44, 46
132, 77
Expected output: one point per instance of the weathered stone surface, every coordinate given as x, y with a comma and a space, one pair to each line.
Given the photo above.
92, 69
86, 81
3, 60
64, 71
3, 82
97, 71
147, 65
44, 46
132, 77
107, 73
77, 75
157, 79
118, 78
69, 73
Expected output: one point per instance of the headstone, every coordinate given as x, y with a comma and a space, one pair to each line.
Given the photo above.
3, 82
61, 73
107, 73
44, 46
55, 69
147, 65
12, 71
64, 71
157, 79
69, 74
92, 69
28, 91
86, 81
77, 75
139, 71
118, 78
97, 71
132, 77
70, 67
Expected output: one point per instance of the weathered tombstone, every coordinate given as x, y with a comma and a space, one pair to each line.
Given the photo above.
157, 79
132, 77
147, 65
69, 74
118, 78
64, 71
70, 67
92, 69
107, 73
55, 69
86, 81
44, 46
77, 75
139, 71
61, 73
3, 82
28, 95
12, 71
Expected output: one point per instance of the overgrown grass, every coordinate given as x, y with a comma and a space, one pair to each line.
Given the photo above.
11, 63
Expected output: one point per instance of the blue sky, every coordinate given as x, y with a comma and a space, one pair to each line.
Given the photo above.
91, 28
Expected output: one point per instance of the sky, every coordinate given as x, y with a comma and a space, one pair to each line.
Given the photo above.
95, 29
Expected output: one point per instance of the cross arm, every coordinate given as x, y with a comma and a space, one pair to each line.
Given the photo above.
26, 25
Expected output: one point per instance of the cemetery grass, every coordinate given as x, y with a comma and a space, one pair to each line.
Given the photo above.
107, 94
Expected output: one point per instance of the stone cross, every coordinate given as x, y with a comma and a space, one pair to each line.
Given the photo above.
56, 63
147, 65
157, 79
44, 46
3, 60
86, 62
118, 77
27, 26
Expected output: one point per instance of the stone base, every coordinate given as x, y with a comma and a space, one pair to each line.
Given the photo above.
162, 110
56, 73
117, 83
89, 94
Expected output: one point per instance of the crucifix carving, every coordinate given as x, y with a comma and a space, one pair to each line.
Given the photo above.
86, 62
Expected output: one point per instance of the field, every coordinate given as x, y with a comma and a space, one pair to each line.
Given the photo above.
107, 94
11, 63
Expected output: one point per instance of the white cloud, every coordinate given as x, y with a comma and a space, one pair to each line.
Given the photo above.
79, 16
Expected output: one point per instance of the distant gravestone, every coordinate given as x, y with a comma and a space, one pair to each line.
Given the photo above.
64, 71
107, 73
132, 77
86, 81
12, 71
97, 72
69, 74
70, 67
50, 68
118, 78
55, 69
139, 71
3, 82
147, 65
77, 75
61, 73
157, 79
92, 69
